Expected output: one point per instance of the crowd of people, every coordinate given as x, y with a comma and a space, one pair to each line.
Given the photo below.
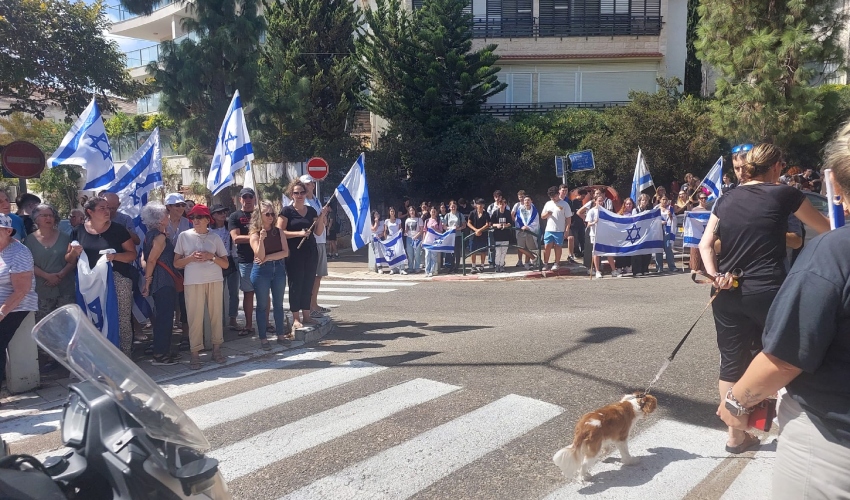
188, 260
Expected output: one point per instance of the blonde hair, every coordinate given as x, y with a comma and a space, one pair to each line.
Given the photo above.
760, 159
257, 217
837, 158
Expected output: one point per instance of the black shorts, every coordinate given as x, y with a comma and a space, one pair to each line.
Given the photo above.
479, 242
739, 320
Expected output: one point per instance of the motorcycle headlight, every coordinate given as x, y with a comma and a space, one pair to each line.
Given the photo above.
75, 417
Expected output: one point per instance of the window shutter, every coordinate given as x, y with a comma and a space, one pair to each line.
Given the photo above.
557, 87
615, 85
520, 88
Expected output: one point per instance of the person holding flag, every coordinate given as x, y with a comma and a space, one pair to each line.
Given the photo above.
641, 179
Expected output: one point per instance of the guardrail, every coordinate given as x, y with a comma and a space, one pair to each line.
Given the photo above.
567, 26
544, 107
120, 13
466, 240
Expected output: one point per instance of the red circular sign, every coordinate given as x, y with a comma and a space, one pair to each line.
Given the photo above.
317, 168
23, 159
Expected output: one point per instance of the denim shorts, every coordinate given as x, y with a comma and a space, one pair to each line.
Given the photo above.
556, 237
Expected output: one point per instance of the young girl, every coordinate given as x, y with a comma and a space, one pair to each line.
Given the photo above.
379, 231
669, 217
413, 229
592, 219
432, 265
392, 227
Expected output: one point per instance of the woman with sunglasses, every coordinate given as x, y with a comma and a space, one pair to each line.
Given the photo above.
201, 253
296, 223
751, 221
269, 272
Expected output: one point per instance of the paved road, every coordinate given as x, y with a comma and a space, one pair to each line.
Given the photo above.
466, 389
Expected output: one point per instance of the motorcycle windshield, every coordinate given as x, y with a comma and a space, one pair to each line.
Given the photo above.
69, 336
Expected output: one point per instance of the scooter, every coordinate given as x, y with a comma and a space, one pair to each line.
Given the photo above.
126, 439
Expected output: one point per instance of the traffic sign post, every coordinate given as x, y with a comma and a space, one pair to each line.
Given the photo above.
317, 168
23, 159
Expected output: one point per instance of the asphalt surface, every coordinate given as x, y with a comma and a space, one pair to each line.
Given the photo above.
467, 389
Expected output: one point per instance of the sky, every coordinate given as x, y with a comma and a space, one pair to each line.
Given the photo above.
126, 44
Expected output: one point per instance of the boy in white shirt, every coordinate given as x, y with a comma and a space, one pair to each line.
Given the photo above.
556, 212
592, 219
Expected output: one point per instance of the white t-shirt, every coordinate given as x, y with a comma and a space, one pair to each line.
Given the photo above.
609, 205
557, 222
412, 226
321, 239
199, 273
393, 228
592, 216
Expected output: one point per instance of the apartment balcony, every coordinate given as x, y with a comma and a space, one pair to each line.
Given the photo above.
505, 110
163, 23
607, 25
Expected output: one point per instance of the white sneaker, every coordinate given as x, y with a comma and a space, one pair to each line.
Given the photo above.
428, 275
402, 271
555, 267
615, 273
527, 266
598, 274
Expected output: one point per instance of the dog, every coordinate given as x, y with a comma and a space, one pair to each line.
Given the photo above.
597, 430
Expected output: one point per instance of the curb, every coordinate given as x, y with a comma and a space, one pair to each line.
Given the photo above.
520, 275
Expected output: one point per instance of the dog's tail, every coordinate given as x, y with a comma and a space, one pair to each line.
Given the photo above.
567, 459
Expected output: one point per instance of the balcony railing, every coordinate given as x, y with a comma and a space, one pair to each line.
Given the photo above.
141, 57
120, 13
545, 107
591, 25
124, 146
148, 104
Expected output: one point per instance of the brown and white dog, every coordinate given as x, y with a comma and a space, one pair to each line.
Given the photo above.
598, 429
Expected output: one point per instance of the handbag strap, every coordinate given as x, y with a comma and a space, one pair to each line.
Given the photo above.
169, 271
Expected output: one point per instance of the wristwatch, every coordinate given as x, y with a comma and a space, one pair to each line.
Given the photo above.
734, 407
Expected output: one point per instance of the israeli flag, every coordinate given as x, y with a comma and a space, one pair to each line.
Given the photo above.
249, 178
532, 221
629, 234
138, 177
353, 196
836, 207
641, 180
391, 251
232, 149
714, 180
694, 226
86, 145
96, 296
439, 242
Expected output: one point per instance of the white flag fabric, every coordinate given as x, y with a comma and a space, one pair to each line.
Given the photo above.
353, 196
714, 180
390, 251
232, 148
629, 234
249, 178
86, 145
439, 242
694, 227
641, 180
836, 207
138, 177
96, 296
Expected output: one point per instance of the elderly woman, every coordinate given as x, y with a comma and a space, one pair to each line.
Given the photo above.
17, 287
54, 277
202, 254
269, 272
98, 233
160, 281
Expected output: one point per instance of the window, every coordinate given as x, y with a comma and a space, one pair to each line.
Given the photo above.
556, 87
603, 86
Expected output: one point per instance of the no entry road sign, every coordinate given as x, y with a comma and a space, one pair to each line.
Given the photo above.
23, 159
317, 168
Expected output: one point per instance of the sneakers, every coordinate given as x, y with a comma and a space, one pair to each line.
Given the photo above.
402, 271
598, 274
283, 340
428, 275
163, 360
571, 260
527, 266
555, 267
316, 314
615, 273
518, 263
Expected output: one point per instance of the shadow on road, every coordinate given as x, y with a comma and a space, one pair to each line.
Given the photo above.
642, 473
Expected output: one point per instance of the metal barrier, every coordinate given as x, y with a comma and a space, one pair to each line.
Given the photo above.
464, 247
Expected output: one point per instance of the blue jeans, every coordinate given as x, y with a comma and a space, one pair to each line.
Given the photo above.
431, 262
264, 277
414, 259
668, 252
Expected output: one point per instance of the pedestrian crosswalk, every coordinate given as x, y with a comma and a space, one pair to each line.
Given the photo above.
344, 398
332, 292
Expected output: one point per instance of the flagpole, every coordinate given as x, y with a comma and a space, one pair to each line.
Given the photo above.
310, 229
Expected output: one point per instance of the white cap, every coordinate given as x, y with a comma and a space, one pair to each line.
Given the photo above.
306, 178
174, 198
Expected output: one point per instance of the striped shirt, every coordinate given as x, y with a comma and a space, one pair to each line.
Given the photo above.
14, 259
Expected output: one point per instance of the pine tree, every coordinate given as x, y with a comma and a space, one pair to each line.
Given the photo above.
434, 81
309, 80
768, 54
198, 78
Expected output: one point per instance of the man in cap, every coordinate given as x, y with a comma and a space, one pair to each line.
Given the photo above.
316, 311
237, 224
117, 217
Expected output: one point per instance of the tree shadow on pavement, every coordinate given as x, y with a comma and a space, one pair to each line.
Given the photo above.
602, 334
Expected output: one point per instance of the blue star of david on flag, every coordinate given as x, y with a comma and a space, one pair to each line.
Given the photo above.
233, 149
633, 233
389, 252
87, 146
95, 143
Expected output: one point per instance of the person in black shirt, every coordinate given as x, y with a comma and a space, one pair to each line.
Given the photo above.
238, 224
478, 222
751, 222
807, 351
502, 223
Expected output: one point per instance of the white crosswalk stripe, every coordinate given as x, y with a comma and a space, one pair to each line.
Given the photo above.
675, 457
334, 292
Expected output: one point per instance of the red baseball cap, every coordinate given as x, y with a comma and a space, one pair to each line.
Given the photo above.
199, 210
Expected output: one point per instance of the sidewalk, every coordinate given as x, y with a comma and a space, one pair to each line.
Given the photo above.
54, 385
355, 266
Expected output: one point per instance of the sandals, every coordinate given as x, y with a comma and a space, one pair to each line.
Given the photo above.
750, 442
141, 339
195, 364
266, 345
220, 359
163, 360
244, 332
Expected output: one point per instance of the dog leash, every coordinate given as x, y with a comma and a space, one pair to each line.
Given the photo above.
735, 274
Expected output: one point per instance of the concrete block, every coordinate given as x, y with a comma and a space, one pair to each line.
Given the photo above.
313, 333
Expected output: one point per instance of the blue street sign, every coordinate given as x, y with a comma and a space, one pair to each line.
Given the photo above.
581, 161
559, 166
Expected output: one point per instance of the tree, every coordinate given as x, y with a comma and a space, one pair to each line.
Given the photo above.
198, 78
434, 81
55, 54
768, 54
309, 79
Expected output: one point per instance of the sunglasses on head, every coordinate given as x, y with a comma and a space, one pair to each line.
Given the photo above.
741, 148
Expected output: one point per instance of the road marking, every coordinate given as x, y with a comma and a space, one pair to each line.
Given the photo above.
368, 283
45, 422
674, 457
269, 396
755, 480
337, 298
254, 453
355, 290
406, 469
